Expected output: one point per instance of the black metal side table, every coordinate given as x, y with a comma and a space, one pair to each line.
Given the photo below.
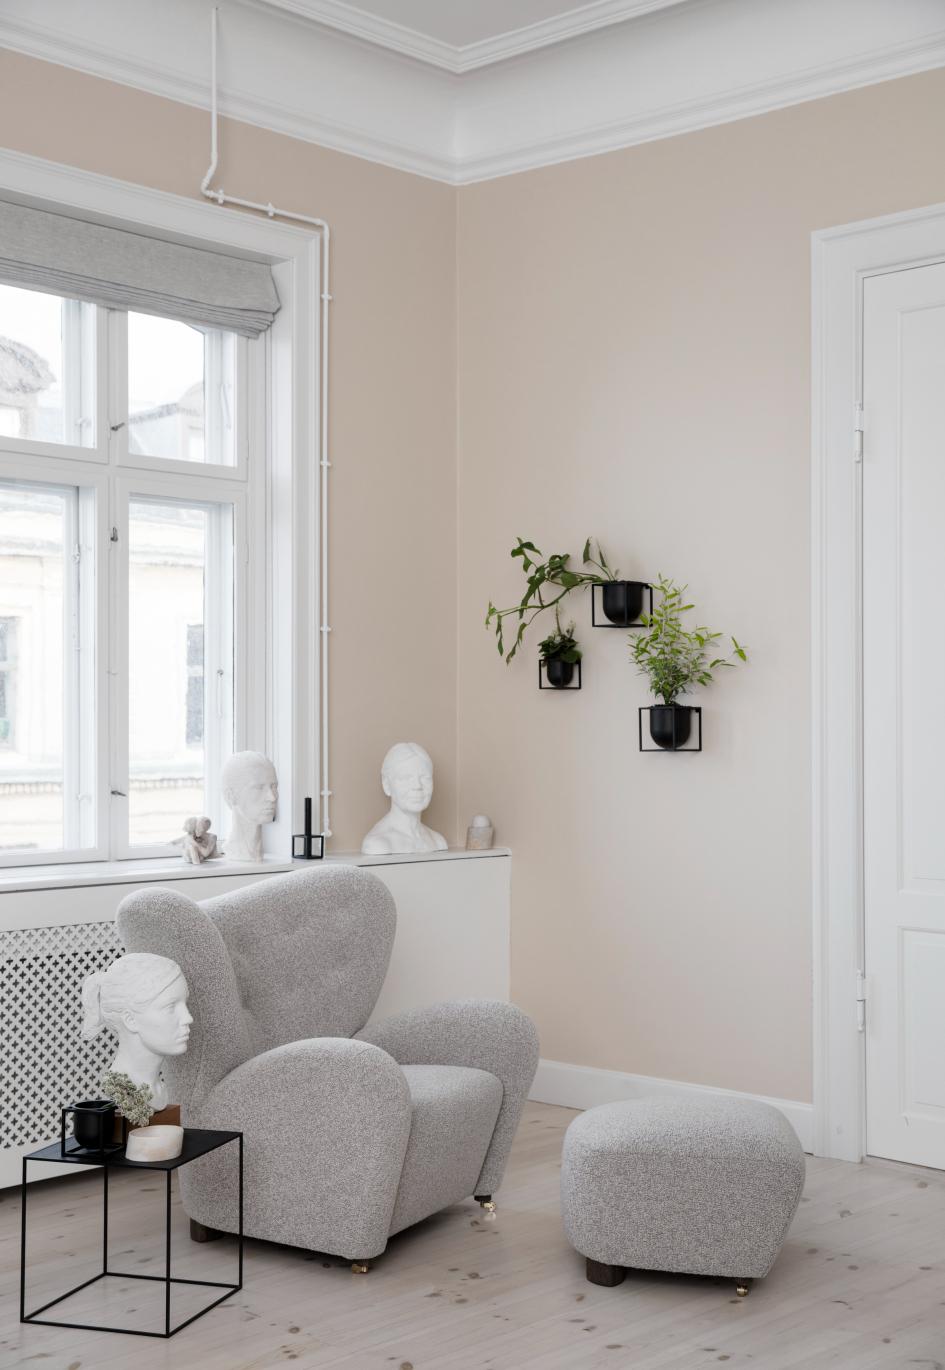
197, 1142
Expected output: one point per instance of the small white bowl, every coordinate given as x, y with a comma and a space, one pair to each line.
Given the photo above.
162, 1142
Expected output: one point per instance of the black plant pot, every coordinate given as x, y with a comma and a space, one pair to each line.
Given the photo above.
93, 1122
670, 725
622, 600
559, 673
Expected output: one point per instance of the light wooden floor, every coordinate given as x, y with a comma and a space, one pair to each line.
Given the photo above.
860, 1284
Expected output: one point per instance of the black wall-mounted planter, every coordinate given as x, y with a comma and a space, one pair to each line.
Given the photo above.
559, 674
670, 727
620, 602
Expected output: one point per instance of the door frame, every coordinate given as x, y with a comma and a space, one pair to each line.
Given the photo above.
842, 259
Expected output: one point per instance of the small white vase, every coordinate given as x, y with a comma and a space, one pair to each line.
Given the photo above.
162, 1142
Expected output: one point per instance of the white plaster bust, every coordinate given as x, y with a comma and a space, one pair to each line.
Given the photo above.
251, 791
142, 998
407, 779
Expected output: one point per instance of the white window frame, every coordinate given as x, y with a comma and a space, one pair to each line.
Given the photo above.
276, 682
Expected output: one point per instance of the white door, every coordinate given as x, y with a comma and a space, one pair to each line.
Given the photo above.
904, 712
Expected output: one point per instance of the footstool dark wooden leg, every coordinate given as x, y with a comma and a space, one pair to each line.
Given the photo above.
199, 1233
608, 1275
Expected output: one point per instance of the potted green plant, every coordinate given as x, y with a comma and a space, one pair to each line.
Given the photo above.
560, 653
547, 584
675, 659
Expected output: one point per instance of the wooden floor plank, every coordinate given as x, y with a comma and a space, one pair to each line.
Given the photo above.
860, 1285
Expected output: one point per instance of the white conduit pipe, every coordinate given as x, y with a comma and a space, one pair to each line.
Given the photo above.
320, 225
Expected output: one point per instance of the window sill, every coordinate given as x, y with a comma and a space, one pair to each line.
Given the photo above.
161, 869
408, 858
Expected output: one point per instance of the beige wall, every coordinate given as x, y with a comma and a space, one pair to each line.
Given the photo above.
634, 364
392, 394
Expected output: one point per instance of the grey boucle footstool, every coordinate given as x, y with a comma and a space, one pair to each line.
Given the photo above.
706, 1187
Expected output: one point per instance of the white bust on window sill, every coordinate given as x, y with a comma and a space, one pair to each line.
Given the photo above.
143, 999
251, 791
407, 780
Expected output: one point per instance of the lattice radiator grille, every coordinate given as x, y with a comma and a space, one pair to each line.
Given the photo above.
46, 1062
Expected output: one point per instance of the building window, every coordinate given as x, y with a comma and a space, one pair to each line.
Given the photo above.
194, 701
8, 629
121, 504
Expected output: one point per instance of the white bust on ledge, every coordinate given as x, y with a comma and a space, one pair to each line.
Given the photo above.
407, 780
143, 999
251, 791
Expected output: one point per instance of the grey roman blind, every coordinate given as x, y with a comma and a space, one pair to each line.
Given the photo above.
125, 270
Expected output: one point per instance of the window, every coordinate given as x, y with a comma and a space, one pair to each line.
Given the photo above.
8, 631
121, 506
47, 368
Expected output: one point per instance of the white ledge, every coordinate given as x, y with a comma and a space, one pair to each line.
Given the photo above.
356, 858
158, 868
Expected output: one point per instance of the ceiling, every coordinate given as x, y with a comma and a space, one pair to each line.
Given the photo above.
461, 22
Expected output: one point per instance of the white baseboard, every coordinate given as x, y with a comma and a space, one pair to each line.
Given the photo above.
557, 1082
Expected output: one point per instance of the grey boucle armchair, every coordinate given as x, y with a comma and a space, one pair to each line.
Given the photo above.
351, 1133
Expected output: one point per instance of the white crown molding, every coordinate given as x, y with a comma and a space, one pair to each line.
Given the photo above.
337, 14
832, 78
628, 83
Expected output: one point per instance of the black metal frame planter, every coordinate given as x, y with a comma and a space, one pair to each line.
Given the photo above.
621, 603
679, 731
566, 674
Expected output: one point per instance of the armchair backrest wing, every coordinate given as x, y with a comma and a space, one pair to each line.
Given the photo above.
169, 924
299, 955
309, 952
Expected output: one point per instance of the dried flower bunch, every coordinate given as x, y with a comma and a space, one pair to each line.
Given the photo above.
132, 1101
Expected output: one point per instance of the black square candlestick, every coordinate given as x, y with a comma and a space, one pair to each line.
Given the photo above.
304, 843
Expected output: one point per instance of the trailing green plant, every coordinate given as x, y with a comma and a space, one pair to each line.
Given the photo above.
673, 657
560, 645
552, 577
132, 1101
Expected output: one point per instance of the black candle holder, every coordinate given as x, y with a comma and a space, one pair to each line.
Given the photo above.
303, 846
303, 843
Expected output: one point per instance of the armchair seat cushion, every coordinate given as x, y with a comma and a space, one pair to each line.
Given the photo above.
454, 1116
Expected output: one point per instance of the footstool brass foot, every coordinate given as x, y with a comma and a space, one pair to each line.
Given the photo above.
360, 1267
485, 1201
743, 1288
608, 1275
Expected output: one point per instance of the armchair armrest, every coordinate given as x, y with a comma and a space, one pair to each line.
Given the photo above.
325, 1123
485, 1034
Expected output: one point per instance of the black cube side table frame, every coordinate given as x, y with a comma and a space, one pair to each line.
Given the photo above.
197, 1142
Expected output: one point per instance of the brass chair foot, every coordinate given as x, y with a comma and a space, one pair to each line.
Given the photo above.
486, 1201
360, 1267
742, 1288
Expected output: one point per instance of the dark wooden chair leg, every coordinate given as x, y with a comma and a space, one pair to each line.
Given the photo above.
608, 1275
199, 1233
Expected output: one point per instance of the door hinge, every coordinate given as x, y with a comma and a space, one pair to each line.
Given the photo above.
858, 429
861, 986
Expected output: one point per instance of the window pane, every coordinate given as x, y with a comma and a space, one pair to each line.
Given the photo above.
181, 388
34, 536
47, 367
180, 664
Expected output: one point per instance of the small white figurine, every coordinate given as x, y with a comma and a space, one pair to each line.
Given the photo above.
251, 791
198, 843
142, 998
479, 834
407, 779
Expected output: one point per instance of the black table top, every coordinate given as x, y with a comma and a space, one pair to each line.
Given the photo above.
197, 1142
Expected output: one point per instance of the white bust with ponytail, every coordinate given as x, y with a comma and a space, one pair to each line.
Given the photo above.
143, 999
